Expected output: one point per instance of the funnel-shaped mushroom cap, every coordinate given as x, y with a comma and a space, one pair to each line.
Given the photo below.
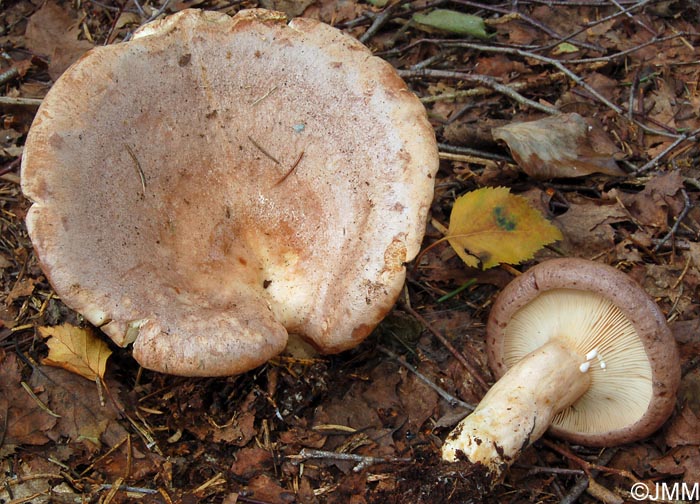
602, 314
216, 182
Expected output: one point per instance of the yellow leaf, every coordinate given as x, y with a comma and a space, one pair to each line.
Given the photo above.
492, 226
76, 349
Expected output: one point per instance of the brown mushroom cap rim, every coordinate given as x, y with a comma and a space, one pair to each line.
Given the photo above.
559, 278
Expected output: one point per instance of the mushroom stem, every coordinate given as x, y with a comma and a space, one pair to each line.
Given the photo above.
519, 408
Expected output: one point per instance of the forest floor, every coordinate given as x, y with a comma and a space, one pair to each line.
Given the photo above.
363, 426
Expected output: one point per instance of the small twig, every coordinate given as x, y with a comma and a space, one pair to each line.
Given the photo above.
160, 11
289, 172
11, 165
138, 168
589, 467
552, 470
452, 400
472, 369
216, 480
127, 488
692, 136
544, 59
8, 75
41, 404
5, 425
686, 208
582, 482
363, 460
629, 15
267, 154
483, 80
379, 21
269, 92
142, 13
468, 151
21, 102
544, 28
591, 24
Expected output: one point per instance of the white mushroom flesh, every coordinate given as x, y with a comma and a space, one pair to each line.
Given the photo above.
519, 407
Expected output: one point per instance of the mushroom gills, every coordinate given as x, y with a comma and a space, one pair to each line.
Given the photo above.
573, 361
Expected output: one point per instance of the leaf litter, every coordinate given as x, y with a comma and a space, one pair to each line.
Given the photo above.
628, 69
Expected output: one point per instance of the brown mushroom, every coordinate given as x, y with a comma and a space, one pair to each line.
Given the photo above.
578, 348
216, 183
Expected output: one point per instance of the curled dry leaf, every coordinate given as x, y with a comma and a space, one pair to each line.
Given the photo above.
492, 226
565, 145
76, 349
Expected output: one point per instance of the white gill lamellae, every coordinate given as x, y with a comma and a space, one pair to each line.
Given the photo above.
590, 357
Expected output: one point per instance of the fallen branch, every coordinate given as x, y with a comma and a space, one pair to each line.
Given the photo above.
364, 461
483, 80
472, 369
452, 400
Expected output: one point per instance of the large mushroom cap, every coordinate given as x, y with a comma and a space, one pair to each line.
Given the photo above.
603, 314
216, 182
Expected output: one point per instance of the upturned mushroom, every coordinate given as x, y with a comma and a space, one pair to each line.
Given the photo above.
215, 184
578, 348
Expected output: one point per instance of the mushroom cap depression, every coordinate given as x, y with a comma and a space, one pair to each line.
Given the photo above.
600, 311
217, 183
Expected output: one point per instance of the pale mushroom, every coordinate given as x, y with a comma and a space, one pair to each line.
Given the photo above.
578, 348
216, 183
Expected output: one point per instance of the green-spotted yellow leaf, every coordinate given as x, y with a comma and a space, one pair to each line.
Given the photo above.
492, 226
76, 349
451, 21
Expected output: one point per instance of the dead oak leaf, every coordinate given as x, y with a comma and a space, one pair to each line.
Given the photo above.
77, 350
52, 32
565, 145
684, 429
23, 420
86, 418
660, 198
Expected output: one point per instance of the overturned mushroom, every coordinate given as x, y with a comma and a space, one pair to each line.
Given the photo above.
217, 183
578, 348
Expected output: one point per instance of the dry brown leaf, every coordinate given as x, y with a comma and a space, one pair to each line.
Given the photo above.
86, 417
684, 429
23, 288
23, 419
238, 432
292, 8
52, 32
661, 196
77, 350
491, 226
251, 461
267, 489
586, 225
560, 146
684, 460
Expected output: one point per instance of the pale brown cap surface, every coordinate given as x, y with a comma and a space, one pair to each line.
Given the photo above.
635, 371
216, 182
